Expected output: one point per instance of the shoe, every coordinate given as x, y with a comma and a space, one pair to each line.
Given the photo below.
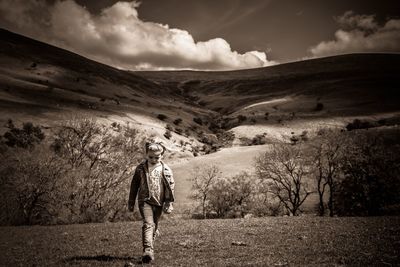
148, 255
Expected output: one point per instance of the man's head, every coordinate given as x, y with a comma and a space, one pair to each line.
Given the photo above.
154, 152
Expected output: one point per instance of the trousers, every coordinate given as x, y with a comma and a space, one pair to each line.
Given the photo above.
151, 215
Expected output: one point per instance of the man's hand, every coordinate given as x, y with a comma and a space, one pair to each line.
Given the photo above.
168, 208
131, 206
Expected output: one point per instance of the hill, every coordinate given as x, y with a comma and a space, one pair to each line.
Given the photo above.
273, 241
295, 97
45, 84
347, 84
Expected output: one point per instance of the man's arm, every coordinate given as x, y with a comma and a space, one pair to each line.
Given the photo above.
134, 189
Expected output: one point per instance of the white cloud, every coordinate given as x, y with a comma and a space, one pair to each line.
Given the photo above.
361, 33
117, 36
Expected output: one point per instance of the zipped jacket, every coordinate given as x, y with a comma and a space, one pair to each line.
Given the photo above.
140, 184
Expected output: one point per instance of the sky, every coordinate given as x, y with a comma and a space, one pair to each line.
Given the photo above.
207, 34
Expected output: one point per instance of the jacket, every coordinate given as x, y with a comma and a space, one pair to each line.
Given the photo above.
140, 184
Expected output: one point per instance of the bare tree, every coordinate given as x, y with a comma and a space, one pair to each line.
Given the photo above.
284, 170
101, 161
203, 178
327, 157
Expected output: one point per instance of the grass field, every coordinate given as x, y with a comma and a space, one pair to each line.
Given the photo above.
273, 241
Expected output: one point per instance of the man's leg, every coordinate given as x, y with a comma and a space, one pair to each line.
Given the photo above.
157, 212
146, 211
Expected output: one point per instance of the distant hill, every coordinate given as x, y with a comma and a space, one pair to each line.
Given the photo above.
351, 84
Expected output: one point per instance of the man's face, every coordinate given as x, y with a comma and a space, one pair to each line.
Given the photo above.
154, 157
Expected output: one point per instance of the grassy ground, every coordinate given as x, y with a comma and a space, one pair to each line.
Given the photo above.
275, 241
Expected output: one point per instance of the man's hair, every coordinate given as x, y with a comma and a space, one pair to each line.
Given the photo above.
154, 147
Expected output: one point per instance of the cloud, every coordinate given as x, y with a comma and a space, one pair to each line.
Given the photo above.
361, 33
118, 37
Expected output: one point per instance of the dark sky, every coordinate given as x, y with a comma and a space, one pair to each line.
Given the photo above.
286, 28
281, 30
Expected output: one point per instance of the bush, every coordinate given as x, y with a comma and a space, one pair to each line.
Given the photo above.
82, 177
26, 137
259, 139
294, 139
168, 134
241, 118
304, 136
359, 124
162, 117
178, 131
197, 120
319, 107
230, 197
31, 186
178, 121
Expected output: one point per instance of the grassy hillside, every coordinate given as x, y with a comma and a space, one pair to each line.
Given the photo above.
230, 161
347, 85
274, 241
45, 84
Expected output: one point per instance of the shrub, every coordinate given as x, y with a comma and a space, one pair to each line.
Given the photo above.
226, 138
187, 132
304, 136
31, 188
319, 107
26, 137
178, 131
162, 117
169, 127
259, 139
82, 177
178, 121
359, 124
198, 120
241, 118
202, 103
294, 139
245, 141
168, 134
230, 197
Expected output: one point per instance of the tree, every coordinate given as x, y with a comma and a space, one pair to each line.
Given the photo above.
327, 151
284, 170
203, 179
100, 163
371, 169
231, 195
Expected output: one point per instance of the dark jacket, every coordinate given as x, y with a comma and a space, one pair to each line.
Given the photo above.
140, 184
